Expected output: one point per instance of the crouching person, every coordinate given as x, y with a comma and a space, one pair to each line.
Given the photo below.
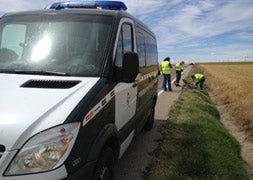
200, 79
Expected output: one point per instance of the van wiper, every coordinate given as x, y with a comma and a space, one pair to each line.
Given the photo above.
52, 73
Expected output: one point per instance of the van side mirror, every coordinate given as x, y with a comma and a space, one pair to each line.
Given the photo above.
130, 66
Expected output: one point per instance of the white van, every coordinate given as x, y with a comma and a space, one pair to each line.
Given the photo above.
78, 82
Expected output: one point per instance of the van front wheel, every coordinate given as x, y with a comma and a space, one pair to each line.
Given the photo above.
105, 165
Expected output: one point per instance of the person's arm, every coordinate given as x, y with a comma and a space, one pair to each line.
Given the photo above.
193, 78
160, 69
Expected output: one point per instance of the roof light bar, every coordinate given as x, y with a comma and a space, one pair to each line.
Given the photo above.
114, 5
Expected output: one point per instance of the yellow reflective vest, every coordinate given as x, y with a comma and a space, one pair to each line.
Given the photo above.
178, 67
198, 76
165, 67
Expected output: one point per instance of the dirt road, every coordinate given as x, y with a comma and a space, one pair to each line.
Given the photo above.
138, 157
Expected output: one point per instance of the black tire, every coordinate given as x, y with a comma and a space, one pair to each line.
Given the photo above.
105, 165
149, 124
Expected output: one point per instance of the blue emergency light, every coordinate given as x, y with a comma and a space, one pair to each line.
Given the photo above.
114, 5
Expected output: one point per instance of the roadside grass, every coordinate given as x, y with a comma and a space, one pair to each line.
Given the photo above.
195, 145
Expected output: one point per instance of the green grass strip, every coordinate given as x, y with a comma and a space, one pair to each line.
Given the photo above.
195, 145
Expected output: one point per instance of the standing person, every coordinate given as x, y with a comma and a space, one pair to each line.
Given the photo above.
179, 69
200, 80
166, 69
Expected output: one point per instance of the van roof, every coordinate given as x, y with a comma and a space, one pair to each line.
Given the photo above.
69, 11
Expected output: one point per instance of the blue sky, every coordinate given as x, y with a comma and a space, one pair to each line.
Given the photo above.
189, 30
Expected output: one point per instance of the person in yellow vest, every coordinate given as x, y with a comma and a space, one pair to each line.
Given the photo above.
179, 69
165, 70
200, 78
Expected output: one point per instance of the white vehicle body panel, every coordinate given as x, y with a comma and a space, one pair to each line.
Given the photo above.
126, 143
125, 107
29, 109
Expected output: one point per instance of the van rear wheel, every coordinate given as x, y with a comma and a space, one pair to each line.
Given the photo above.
105, 165
149, 124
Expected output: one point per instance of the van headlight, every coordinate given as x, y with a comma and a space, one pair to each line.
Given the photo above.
45, 151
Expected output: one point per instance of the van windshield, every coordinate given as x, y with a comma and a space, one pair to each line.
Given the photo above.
58, 43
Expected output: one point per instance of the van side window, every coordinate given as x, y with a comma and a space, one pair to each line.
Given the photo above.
125, 43
141, 49
127, 38
119, 52
151, 50
147, 50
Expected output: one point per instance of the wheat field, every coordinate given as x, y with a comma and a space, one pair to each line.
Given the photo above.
231, 84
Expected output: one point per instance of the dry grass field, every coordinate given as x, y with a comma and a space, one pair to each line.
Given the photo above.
231, 88
232, 85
